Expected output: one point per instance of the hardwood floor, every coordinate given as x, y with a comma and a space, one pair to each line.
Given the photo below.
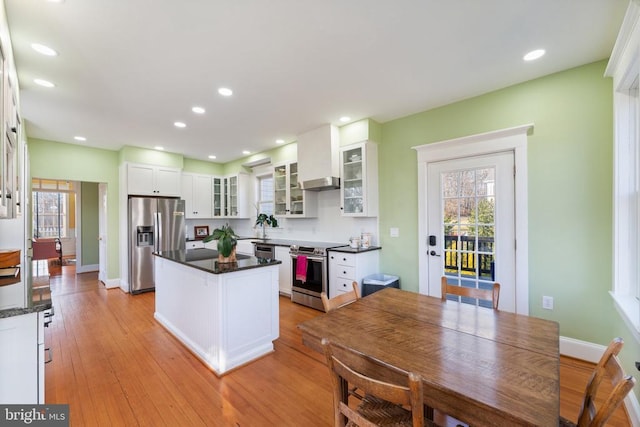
115, 365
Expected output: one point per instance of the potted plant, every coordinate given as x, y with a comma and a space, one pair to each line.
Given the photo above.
227, 241
268, 220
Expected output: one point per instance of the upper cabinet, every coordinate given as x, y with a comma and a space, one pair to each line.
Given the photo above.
237, 196
289, 198
359, 179
148, 180
197, 192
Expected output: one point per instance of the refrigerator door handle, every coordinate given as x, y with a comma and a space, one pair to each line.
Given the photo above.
158, 232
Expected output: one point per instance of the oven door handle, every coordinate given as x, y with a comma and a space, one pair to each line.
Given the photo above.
310, 258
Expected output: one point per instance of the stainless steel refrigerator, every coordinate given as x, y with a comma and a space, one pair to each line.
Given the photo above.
155, 224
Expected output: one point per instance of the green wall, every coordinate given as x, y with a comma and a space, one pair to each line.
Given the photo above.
570, 188
570, 166
72, 162
89, 227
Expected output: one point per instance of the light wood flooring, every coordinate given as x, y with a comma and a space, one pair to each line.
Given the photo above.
116, 366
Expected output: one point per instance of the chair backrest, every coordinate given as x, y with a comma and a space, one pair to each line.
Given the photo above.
340, 300
609, 366
492, 295
350, 368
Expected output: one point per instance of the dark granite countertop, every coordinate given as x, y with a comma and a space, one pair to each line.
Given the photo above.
350, 250
33, 307
207, 260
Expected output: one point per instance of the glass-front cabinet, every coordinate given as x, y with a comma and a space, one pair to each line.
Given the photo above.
218, 195
235, 195
359, 179
289, 198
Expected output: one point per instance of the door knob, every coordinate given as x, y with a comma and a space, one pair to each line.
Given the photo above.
433, 253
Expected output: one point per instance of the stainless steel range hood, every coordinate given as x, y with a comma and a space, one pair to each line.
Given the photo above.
318, 159
320, 184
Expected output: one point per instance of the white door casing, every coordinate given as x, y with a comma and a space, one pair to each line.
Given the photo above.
102, 233
505, 140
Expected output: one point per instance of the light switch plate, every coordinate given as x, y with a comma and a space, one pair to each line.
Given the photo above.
547, 302
394, 232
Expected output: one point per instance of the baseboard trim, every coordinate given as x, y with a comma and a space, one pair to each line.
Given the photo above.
87, 268
591, 352
111, 283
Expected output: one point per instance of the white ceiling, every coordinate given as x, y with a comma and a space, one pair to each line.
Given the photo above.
128, 69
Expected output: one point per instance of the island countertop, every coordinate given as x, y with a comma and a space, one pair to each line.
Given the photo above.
207, 260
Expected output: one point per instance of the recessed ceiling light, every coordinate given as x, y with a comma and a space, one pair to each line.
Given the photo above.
534, 54
279, 141
44, 83
45, 50
345, 119
225, 91
198, 110
79, 138
179, 124
157, 147
212, 157
55, 1
246, 152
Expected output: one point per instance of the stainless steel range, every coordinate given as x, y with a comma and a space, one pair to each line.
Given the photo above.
309, 283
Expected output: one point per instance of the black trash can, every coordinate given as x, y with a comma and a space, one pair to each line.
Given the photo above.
376, 282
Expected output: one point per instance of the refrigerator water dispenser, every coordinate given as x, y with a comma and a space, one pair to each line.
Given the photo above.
144, 236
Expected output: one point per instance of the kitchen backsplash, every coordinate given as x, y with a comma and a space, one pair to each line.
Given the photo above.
329, 226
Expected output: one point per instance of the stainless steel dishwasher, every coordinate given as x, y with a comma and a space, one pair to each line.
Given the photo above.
264, 251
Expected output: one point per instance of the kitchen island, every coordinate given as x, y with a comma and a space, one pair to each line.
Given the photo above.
225, 313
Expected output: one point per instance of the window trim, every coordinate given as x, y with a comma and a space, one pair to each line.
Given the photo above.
624, 68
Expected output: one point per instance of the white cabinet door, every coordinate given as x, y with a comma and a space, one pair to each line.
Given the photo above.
284, 272
149, 180
195, 244
359, 179
19, 359
244, 247
140, 180
197, 193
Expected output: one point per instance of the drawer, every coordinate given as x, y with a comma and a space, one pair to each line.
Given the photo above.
343, 285
343, 259
345, 272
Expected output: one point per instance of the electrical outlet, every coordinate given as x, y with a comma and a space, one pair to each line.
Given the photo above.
547, 302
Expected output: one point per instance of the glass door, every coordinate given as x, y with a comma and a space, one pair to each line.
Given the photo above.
233, 196
352, 181
295, 192
280, 190
217, 197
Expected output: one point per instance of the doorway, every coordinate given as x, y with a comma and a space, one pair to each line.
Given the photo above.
479, 244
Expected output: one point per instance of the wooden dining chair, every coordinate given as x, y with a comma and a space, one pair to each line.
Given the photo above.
492, 295
388, 391
609, 365
340, 300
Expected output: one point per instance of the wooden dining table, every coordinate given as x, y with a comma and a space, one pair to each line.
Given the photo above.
481, 366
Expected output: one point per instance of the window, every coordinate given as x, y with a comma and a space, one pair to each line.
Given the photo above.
624, 67
53, 208
265, 194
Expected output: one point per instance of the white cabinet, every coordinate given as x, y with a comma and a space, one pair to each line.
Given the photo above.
149, 180
237, 196
289, 198
197, 192
22, 359
218, 197
346, 268
195, 244
284, 273
245, 247
359, 179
